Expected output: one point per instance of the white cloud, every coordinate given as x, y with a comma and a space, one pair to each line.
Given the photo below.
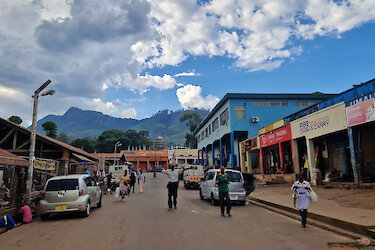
115, 108
259, 35
187, 74
129, 113
190, 96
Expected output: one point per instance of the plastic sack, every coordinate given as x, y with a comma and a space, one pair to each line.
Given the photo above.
117, 192
314, 197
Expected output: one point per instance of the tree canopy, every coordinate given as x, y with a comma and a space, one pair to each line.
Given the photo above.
193, 121
50, 128
63, 138
87, 144
15, 119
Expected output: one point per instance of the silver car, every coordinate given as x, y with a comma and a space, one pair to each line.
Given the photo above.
71, 193
209, 190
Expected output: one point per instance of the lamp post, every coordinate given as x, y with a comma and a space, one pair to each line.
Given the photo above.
29, 182
117, 144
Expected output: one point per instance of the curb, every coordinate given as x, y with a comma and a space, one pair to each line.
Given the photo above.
351, 230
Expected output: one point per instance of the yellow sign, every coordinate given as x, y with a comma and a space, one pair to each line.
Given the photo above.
60, 207
44, 165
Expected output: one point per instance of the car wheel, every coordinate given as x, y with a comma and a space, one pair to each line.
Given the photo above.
213, 201
99, 205
86, 213
200, 194
44, 217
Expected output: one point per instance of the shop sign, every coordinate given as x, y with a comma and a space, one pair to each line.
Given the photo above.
361, 112
362, 99
276, 136
44, 165
329, 120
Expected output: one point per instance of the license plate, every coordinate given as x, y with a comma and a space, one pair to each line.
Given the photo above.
60, 207
233, 197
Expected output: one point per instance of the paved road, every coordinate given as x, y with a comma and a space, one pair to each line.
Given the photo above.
143, 222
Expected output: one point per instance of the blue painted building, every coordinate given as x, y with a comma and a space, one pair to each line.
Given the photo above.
239, 116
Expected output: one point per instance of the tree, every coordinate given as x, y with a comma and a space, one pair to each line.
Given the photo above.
87, 144
15, 119
63, 138
50, 128
193, 121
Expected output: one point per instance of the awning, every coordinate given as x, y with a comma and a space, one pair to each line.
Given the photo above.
82, 158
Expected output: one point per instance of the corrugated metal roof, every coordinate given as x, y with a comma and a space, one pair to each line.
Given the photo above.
51, 140
7, 158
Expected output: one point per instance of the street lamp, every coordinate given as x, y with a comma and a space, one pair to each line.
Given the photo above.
117, 144
29, 182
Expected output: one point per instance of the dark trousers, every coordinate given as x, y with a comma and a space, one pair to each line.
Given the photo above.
303, 213
132, 185
225, 200
172, 192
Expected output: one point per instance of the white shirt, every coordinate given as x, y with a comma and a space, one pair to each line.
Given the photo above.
303, 198
172, 176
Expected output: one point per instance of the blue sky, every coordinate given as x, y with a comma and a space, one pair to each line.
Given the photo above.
127, 59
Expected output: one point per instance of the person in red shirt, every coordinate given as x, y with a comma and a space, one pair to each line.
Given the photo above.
26, 213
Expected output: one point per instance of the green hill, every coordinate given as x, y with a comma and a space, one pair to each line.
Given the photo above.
77, 123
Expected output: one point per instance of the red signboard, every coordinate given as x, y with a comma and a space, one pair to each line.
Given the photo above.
279, 135
361, 112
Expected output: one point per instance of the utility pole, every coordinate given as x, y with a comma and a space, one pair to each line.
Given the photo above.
29, 182
117, 144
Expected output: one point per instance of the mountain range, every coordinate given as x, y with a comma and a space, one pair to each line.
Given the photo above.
77, 123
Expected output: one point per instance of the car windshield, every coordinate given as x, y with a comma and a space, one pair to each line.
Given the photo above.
234, 176
63, 184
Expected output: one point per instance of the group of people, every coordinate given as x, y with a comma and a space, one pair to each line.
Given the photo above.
8, 223
127, 182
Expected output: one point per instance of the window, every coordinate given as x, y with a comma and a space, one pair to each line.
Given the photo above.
234, 176
215, 124
63, 184
206, 132
209, 129
202, 134
270, 103
211, 175
304, 103
239, 112
224, 117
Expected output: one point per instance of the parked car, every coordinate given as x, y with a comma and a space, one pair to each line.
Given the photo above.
209, 190
71, 193
192, 177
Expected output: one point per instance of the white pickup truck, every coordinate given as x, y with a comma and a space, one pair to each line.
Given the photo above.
192, 177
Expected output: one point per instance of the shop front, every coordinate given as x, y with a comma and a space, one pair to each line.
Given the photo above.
361, 129
249, 155
276, 152
321, 145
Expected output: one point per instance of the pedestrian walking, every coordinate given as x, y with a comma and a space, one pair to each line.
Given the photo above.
222, 180
301, 195
132, 181
109, 182
141, 180
172, 176
155, 177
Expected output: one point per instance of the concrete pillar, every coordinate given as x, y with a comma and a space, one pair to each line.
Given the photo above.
199, 160
295, 156
354, 155
232, 163
242, 160
248, 157
281, 157
213, 155
137, 165
221, 152
311, 159
261, 159
147, 165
